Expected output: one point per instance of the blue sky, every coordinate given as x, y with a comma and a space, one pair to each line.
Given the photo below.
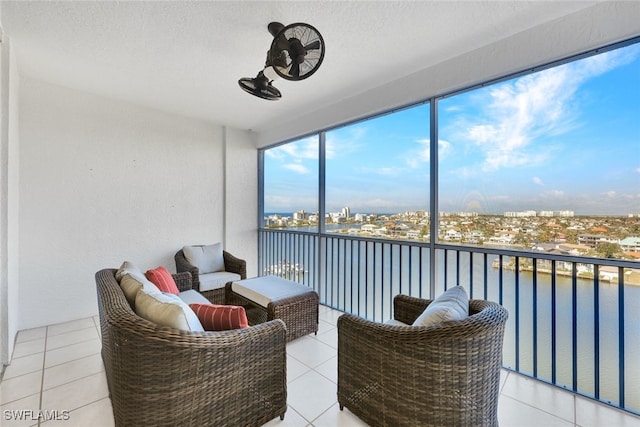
566, 138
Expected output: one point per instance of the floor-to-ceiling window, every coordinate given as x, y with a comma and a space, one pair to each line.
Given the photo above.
291, 185
546, 161
535, 203
549, 162
377, 176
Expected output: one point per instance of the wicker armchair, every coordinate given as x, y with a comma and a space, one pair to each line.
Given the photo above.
232, 264
440, 375
161, 376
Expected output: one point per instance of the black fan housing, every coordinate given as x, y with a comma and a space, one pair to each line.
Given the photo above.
296, 52
260, 86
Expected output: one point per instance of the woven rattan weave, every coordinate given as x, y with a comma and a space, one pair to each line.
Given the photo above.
299, 312
232, 264
161, 376
441, 375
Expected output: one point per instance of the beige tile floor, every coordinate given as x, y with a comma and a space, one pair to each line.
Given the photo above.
58, 367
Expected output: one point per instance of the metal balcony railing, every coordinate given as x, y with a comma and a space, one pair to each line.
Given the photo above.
574, 322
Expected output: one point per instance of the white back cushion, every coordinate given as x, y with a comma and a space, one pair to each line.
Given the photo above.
208, 258
126, 268
453, 304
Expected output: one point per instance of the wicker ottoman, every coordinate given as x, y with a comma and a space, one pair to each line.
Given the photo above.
270, 297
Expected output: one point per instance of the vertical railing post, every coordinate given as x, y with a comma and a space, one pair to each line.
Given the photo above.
470, 274
574, 326
500, 280
373, 281
420, 274
534, 335
485, 278
596, 330
517, 316
445, 272
553, 322
621, 358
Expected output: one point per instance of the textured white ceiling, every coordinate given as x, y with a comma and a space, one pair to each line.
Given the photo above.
185, 57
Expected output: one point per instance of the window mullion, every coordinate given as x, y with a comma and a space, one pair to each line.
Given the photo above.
433, 195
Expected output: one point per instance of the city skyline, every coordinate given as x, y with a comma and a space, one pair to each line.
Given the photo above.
541, 142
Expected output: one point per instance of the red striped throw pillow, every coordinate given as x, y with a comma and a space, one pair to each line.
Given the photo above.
220, 317
162, 279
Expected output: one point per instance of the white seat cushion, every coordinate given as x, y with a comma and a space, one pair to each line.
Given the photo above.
263, 290
193, 297
451, 305
394, 322
217, 280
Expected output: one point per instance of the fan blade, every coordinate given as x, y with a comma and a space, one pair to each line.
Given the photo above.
313, 45
294, 71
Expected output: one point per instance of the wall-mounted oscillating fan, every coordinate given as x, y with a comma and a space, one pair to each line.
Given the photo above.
296, 53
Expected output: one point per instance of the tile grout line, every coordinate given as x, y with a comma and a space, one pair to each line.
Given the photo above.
74, 358
311, 423
72, 331
539, 409
44, 363
506, 378
74, 380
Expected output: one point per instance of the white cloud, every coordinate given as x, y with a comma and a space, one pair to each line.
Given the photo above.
343, 143
554, 194
532, 106
382, 171
538, 181
289, 203
444, 148
377, 205
388, 171
306, 148
296, 167
520, 112
422, 154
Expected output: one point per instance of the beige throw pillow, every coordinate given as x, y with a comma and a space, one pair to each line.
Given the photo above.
131, 283
167, 310
453, 304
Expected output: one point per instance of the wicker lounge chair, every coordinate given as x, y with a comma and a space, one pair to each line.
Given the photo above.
161, 376
232, 264
441, 375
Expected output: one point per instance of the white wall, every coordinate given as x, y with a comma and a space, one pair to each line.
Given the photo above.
9, 274
4, 162
13, 200
601, 24
102, 181
241, 197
